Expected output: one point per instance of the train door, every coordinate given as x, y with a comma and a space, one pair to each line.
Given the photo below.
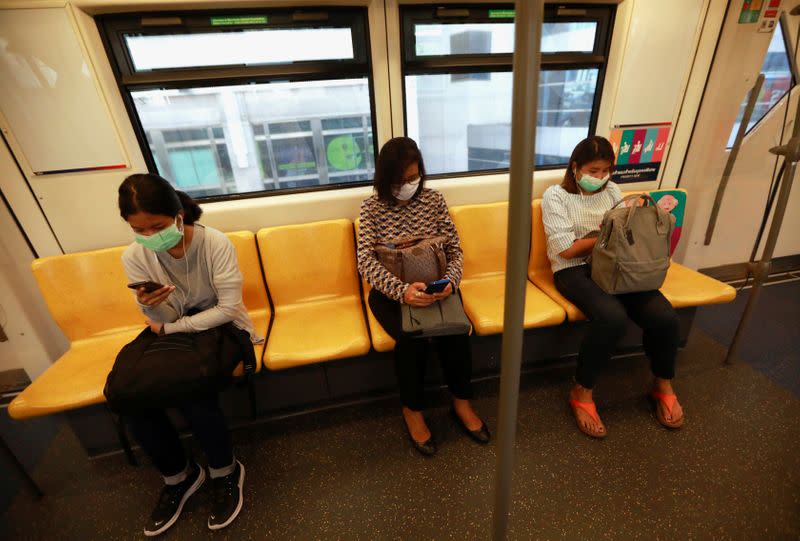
746, 47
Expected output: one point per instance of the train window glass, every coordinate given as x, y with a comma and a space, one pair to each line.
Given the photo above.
230, 104
496, 38
457, 81
777, 82
564, 117
246, 48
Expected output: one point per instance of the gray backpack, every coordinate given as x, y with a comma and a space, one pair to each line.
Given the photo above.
632, 251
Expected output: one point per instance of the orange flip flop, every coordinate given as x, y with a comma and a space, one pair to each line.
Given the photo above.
591, 409
669, 401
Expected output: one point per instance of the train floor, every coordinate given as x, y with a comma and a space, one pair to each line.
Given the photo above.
732, 472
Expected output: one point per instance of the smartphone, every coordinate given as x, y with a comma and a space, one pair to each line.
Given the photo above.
149, 286
437, 287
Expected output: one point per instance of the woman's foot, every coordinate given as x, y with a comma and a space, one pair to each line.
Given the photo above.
582, 403
467, 415
170, 502
668, 411
418, 432
469, 420
415, 423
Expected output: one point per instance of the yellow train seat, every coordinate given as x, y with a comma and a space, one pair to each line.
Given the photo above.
311, 275
483, 230
381, 340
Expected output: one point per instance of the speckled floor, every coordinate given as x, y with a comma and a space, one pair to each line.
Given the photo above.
733, 472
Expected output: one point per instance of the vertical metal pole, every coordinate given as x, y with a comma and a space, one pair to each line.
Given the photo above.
760, 270
737, 143
527, 39
791, 155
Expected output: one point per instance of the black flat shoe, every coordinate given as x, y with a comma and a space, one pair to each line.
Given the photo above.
481, 435
427, 447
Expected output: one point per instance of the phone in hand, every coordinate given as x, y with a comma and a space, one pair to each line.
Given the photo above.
437, 286
148, 285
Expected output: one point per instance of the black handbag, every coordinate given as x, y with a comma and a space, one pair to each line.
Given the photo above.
161, 371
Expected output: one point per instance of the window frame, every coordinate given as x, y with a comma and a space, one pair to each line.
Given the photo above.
794, 77
411, 64
114, 27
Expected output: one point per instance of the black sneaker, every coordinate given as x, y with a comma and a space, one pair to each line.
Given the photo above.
227, 498
170, 502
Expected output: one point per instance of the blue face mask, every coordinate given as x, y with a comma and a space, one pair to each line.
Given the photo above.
163, 240
592, 184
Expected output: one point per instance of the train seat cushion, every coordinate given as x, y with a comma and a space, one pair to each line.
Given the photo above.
311, 274
482, 230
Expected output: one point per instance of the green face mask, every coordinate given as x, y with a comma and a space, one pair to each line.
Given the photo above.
163, 240
592, 184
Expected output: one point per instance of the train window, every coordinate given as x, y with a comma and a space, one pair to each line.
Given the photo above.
778, 80
457, 80
226, 104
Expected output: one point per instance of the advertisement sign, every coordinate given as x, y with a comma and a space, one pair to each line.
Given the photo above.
639, 151
751, 9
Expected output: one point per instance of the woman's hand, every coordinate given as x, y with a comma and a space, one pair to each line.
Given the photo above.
579, 248
443, 294
415, 295
153, 298
155, 326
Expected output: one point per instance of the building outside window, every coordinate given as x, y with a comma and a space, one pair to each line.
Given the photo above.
458, 83
228, 104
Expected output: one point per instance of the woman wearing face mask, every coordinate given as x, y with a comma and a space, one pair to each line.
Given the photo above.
402, 207
199, 270
572, 213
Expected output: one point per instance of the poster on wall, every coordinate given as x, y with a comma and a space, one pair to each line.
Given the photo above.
639, 151
751, 10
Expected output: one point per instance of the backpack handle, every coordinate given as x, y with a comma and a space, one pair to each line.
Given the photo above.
646, 197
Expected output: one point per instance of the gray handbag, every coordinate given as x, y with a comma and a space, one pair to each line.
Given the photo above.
632, 252
442, 318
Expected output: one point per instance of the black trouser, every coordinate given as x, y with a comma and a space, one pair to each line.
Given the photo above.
156, 434
411, 354
608, 315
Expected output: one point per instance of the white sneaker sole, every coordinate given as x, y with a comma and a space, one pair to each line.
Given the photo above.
192, 489
238, 507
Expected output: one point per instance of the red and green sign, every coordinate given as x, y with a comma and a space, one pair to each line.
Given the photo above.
751, 10
639, 151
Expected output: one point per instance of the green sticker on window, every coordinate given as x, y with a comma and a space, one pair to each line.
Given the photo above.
501, 13
343, 153
242, 19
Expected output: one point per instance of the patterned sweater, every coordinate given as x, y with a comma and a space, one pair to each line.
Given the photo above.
426, 215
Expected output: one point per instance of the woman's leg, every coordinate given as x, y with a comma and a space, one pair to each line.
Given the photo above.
210, 428
410, 358
455, 355
660, 326
607, 320
159, 440
661, 337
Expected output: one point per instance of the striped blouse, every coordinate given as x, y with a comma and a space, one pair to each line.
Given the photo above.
425, 215
570, 216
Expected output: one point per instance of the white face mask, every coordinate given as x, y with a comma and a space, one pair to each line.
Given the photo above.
407, 190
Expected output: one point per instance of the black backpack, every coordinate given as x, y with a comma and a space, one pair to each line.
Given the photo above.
160, 371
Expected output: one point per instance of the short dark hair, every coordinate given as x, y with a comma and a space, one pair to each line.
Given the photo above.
590, 149
394, 158
146, 192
